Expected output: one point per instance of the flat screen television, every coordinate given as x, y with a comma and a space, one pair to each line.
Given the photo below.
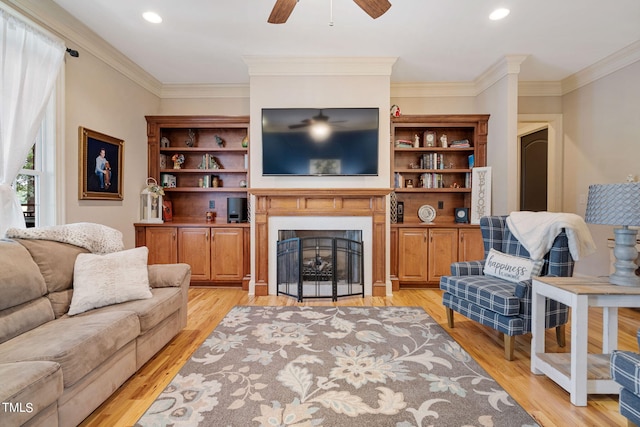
320, 142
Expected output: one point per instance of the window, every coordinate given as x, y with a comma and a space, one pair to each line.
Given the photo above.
36, 182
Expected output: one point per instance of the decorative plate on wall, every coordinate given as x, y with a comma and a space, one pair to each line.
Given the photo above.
426, 213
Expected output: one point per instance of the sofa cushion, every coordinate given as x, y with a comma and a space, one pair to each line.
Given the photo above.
487, 292
56, 261
17, 320
151, 311
510, 267
30, 387
101, 280
79, 344
20, 280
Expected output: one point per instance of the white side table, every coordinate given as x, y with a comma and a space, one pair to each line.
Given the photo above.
579, 372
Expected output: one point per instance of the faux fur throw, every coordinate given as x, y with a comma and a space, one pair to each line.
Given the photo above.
537, 231
96, 238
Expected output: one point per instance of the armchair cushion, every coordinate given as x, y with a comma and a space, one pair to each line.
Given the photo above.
487, 292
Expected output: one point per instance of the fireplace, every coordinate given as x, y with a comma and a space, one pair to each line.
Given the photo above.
320, 264
325, 210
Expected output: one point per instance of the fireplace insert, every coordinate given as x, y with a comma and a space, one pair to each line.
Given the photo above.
320, 267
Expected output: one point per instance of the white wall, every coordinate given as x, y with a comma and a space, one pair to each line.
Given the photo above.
314, 91
102, 99
602, 145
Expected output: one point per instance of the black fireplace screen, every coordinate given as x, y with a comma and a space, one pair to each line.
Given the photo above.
320, 267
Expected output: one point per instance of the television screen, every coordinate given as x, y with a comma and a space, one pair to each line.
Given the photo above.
321, 142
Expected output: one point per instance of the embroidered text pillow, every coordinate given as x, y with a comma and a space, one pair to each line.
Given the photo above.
510, 267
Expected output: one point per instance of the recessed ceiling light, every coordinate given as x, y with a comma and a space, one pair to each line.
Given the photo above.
499, 14
152, 17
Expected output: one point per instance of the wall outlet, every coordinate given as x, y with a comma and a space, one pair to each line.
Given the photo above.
212, 204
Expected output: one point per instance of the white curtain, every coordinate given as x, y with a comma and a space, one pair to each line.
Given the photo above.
29, 65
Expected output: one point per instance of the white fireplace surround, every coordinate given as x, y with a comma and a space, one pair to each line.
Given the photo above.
361, 223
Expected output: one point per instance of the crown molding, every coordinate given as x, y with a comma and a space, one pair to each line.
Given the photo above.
510, 64
602, 68
319, 66
173, 91
57, 20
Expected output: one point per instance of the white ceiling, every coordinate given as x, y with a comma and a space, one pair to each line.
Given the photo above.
204, 41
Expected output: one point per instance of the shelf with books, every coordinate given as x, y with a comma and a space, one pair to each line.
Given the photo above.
201, 161
432, 161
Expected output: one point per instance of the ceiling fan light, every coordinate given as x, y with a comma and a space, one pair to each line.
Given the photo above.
320, 131
498, 14
152, 17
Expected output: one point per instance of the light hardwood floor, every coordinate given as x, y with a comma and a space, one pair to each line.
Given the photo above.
542, 398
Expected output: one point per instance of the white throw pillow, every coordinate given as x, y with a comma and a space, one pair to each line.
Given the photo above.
100, 280
510, 267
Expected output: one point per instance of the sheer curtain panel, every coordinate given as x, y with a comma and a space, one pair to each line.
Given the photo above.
29, 64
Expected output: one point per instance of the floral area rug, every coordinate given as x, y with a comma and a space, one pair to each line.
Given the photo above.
332, 366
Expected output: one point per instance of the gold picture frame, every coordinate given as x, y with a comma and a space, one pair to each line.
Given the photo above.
100, 152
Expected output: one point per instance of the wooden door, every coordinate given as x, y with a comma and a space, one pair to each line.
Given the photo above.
412, 254
163, 245
470, 245
194, 248
533, 171
443, 250
226, 254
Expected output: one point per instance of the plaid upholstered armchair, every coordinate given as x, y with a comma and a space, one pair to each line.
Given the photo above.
502, 304
625, 370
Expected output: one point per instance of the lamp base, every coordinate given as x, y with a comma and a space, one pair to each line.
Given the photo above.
625, 253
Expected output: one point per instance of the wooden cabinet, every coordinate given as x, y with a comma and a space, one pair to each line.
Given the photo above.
425, 253
426, 171
162, 244
194, 247
443, 250
214, 154
227, 254
470, 244
217, 254
412, 255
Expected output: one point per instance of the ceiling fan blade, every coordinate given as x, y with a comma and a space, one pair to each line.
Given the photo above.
374, 8
281, 11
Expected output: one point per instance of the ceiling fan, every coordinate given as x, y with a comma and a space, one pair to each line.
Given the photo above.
320, 118
283, 8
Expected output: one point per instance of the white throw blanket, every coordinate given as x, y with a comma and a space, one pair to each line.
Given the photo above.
537, 231
96, 238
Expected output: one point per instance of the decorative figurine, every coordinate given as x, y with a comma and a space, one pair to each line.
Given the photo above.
219, 141
443, 141
395, 111
416, 141
192, 139
178, 160
245, 141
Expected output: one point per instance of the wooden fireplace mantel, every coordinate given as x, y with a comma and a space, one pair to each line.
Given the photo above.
370, 202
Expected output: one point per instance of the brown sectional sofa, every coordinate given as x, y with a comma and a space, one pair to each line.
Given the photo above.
55, 369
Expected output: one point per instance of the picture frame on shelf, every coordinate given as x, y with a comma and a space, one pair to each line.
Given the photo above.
101, 166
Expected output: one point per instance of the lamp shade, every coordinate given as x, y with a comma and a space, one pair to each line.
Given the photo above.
614, 204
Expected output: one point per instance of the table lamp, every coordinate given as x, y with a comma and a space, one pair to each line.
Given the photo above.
618, 204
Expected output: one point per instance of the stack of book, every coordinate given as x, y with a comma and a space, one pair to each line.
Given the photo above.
462, 143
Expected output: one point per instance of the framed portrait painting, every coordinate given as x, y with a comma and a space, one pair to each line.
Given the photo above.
101, 166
